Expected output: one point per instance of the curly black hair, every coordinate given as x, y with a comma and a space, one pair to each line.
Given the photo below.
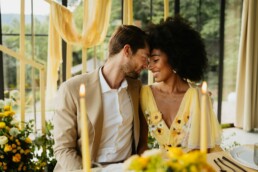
182, 44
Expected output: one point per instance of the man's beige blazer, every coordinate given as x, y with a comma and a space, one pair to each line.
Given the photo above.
67, 124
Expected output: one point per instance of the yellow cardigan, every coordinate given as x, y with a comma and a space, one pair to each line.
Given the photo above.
185, 129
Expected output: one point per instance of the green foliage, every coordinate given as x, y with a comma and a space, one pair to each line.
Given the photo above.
43, 150
152, 142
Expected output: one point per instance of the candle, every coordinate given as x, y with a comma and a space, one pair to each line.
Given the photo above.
86, 162
204, 118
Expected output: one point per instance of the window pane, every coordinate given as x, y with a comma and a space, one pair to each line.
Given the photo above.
204, 16
11, 42
40, 49
232, 38
11, 77
32, 95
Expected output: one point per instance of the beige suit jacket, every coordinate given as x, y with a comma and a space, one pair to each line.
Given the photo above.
67, 133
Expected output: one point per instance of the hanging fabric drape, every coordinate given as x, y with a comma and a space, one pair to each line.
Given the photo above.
166, 9
95, 24
247, 74
128, 12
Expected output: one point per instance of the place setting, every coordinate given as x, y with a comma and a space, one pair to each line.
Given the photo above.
243, 158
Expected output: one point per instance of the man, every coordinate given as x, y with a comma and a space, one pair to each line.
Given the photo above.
112, 101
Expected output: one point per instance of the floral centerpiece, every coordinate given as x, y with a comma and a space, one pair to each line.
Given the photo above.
15, 144
174, 160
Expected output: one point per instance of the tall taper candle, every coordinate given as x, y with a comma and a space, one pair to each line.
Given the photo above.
204, 118
86, 160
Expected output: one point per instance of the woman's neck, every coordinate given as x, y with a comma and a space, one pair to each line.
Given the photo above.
173, 85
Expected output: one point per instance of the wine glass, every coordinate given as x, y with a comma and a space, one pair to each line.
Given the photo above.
256, 153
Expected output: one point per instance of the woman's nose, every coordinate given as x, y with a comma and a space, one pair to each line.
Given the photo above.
149, 66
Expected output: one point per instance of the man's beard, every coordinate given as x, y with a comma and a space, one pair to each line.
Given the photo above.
128, 71
132, 74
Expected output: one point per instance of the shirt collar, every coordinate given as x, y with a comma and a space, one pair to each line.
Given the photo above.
104, 85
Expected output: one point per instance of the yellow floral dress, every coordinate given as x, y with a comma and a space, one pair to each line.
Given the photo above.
185, 129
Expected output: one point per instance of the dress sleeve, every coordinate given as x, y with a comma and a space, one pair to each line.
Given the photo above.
213, 128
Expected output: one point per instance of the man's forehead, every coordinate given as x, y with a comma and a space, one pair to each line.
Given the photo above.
145, 51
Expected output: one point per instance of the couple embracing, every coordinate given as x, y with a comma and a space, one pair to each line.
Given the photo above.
121, 112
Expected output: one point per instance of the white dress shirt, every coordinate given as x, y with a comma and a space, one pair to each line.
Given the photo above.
116, 139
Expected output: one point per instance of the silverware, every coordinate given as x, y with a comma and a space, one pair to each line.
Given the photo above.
226, 164
221, 169
226, 159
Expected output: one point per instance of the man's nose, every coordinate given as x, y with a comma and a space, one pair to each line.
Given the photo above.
145, 65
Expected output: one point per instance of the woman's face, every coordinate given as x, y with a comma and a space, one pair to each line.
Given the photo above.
159, 66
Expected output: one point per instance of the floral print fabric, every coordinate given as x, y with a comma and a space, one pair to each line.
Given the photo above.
185, 129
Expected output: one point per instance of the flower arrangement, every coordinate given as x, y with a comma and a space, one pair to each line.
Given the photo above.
173, 160
17, 151
15, 144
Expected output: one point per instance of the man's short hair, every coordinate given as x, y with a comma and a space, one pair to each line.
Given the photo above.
127, 34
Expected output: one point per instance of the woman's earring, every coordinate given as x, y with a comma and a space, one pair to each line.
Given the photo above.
174, 71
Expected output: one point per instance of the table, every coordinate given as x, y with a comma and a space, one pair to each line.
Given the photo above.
215, 155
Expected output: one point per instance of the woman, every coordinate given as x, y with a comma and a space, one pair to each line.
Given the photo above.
171, 105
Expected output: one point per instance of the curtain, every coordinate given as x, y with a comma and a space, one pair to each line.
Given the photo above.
247, 74
95, 24
128, 12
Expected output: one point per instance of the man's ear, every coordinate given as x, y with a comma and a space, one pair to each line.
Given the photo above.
127, 50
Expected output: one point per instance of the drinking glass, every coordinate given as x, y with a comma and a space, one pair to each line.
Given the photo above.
256, 153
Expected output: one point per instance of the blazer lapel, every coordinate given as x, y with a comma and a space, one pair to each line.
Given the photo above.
94, 109
133, 91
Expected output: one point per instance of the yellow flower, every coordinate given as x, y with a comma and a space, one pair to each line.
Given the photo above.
28, 140
135, 163
175, 152
18, 142
24, 168
7, 108
17, 158
7, 148
21, 151
20, 167
26, 151
155, 117
9, 113
2, 125
13, 145
5, 167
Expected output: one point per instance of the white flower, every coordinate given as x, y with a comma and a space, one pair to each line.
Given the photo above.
15, 122
14, 132
3, 140
127, 163
151, 152
1, 103
152, 128
8, 102
14, 94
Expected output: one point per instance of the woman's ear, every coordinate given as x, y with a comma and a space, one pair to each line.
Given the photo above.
127, 50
